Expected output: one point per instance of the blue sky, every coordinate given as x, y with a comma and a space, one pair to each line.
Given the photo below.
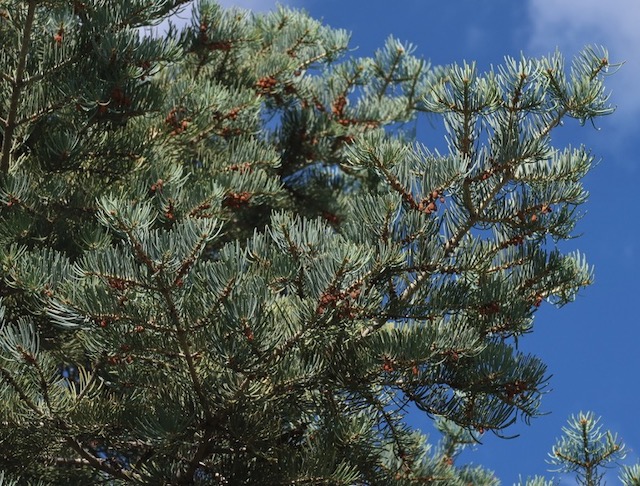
591, 346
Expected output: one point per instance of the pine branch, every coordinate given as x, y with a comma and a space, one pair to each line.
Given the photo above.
71, 462
388, 77
474, 213
314, 480
209, 440
88, 458
100, 464
43, 382
23, 396
5, 77
94, 377
181, 333
17, 84
204, 449
267, 336
42, 75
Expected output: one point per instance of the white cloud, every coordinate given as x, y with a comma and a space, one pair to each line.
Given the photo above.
572, 24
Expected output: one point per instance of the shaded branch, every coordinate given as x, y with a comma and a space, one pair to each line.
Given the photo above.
96, 463
18, 83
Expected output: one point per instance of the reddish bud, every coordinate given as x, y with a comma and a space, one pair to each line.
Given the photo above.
157, 186
236, 199
248, 333
387, 364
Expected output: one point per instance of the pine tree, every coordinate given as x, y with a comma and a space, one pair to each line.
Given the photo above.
226, 259
586, 451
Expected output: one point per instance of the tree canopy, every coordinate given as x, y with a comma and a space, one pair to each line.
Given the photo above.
226, 259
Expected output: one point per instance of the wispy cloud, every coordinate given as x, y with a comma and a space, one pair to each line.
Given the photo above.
572, 24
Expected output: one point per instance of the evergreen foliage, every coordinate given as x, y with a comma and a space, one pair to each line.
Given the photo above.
630, 475
587, 452
225, 260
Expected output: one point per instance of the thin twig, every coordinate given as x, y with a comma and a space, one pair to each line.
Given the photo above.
96, 463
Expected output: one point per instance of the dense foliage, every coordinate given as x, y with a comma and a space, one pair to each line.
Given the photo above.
226, 260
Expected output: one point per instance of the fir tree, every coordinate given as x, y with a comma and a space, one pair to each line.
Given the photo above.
586, 451
225, 259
